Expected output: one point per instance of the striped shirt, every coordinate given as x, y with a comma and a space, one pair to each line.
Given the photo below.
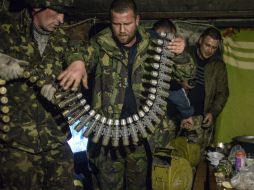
196, 95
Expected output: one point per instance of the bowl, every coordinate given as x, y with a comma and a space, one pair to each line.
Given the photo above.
215, 155
215, 163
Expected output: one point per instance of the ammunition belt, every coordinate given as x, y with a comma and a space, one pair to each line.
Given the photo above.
128, 130
4, 112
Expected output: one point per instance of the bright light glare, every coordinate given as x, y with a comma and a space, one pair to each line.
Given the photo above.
77, 142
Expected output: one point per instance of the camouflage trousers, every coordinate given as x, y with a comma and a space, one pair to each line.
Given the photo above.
169, 129
204, 135
131, 171
49, 170
121, 172
163, 134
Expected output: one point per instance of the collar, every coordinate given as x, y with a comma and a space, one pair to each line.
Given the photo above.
122, 47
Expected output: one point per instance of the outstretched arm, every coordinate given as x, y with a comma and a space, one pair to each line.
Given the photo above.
73, 75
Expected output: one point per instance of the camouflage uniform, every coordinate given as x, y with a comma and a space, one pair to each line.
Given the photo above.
164, 134
124, 166
216, 94
36, 156
169, 126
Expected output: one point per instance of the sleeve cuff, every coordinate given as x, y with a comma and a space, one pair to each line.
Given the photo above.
75, 57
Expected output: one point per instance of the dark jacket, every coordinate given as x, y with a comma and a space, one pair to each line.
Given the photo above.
216, 84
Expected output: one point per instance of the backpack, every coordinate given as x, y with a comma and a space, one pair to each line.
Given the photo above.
187, 150
170, 172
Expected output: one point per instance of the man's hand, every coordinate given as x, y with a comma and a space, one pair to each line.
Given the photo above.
186, 86
187, 123
208, 120
48, 92
177, 45
72, 76
11, 68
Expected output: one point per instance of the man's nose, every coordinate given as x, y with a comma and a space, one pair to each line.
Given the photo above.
122, 28
210, 49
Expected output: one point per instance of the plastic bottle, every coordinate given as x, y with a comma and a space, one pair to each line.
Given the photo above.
240, 157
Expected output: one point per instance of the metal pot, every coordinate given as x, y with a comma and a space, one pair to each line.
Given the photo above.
247, 142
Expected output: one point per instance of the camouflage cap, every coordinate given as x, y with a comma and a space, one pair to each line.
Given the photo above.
58, 5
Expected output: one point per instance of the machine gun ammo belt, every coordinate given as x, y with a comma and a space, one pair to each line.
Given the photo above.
4, 112
128, 130
131, 129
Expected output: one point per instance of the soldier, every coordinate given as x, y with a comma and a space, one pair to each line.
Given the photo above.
178, 100
36, 154
118, 55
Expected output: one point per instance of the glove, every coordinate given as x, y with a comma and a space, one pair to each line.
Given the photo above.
11, 68
48, 92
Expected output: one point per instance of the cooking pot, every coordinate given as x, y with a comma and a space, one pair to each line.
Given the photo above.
247, 142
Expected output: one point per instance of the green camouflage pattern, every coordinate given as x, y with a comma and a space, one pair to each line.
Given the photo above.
184, 72
163, 134
51, 170
62, 6
110, 64
49, 3
33, 127
111, 71
165, 137
37, 145
113, 173
204, 135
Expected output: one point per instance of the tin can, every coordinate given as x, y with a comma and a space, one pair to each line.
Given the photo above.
240, 157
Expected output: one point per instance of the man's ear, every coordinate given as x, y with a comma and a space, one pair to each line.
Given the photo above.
137, 20
200, 40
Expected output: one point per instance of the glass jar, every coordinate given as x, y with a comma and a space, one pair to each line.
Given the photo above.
225, 167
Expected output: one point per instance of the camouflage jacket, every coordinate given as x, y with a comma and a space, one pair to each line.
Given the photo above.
216, 84
33, 127
111, 72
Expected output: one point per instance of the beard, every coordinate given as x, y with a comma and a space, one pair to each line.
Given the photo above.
125, 39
